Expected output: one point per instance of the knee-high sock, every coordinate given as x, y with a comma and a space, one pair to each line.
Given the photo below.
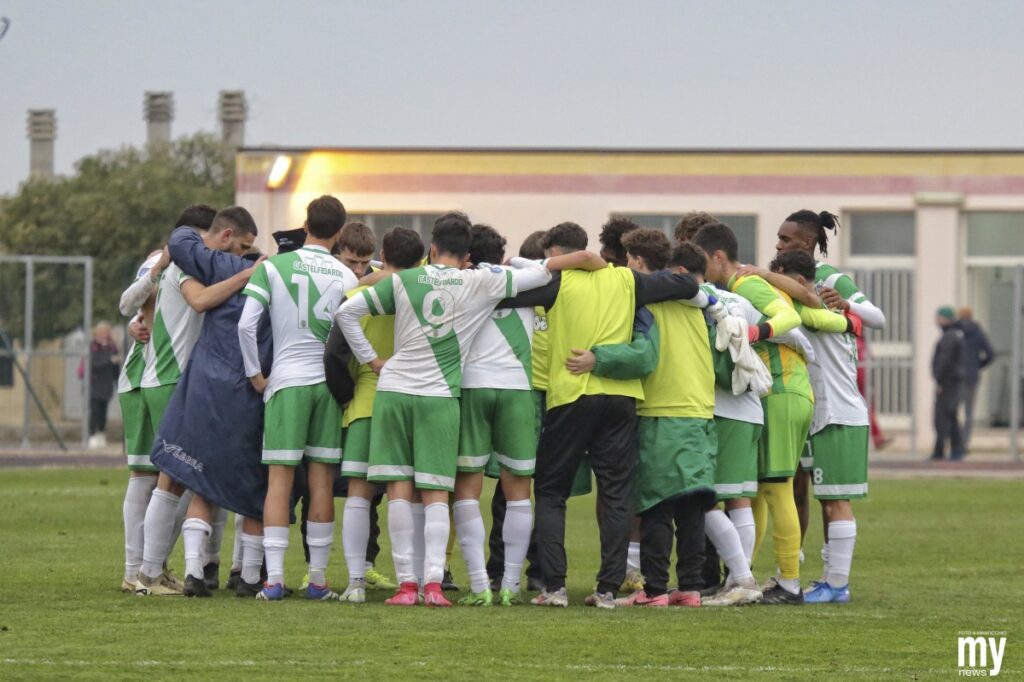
236, 552
727, 541
759, 510
320, 537
785, 528
136, 500
159, 527
633, 557
179, 518
842, 536
251, 559
469, 526
516, 534
355, 534
195, 533
436, 529
400, 528
419, 549
743, 519
219, 519
275, 545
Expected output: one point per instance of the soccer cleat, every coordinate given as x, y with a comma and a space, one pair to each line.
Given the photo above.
433, 595
321, 593
780, 595
448, 582
481, 598
534, 584
159, 586
375, 580
172, 579
196, 587
557, 598
509, 598
734, 595
768, 584
709, 592
355, 593
211, 576
601, 600
823, 593
408, 594
234, 578
127, 586
688, 598
244, 589
634, 581
640, 598
305, 582
270, 592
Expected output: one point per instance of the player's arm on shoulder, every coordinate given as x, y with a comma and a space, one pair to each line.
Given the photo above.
633, 360
525, 275
577, 260
197, 260
668, 286
143, 288
543, 296
248, 323
782, 316
347, 318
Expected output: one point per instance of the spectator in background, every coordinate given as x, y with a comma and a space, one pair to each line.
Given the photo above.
979, 355
948, 372
104, 362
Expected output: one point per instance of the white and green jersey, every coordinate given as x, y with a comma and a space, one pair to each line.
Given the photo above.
501, 354
438, 311
135, 361
826, 275
176, 328
302, 290
837, 400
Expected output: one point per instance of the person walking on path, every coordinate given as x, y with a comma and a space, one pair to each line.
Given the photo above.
979, 355
948, 363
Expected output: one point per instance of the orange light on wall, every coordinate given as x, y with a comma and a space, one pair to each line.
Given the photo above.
279, 171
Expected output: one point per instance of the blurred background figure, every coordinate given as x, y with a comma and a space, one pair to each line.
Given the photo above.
863, 360
948, 372
979, 355
105, 361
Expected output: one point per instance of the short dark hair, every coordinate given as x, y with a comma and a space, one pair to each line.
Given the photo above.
611, 237
452, 234
199, 216
487, 245
234, 217
402, 247
717, 237
533, 246
690, 257
325, 216
794, 263
651, 245
690, 225
567, 236
358, 238
818, 223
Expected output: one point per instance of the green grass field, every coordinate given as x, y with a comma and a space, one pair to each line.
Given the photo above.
934, 557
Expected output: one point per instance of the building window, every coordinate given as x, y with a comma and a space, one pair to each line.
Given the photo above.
995, 233
745, 227
421, 223
881, 233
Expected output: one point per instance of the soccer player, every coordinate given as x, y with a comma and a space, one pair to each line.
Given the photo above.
690, 224
300, 291
401, 249
208, 440
355, 247
439, 309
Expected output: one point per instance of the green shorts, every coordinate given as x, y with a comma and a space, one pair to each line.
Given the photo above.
355, 457
141, 410
806, 460
676, 456
840, 462
736, 463
414, 437
787, 418
302, 421
500, 423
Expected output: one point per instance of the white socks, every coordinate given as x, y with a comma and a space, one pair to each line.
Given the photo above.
842, 536
419, 549
236, 552
159, 527
743, 520
275, 544
726, 540
355, 535
633, 557
319, 537
251, 559
469, 528
516, 534
436, 527
400, 528
136, 500
824, 562
195, 533
219, 519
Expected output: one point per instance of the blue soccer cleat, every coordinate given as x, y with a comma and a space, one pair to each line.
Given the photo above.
270, 592
823, 593
320, 593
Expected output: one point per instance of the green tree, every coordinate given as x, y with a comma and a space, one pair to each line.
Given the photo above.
117, 207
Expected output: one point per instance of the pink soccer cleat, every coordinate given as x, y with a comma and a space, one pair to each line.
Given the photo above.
434, 596
408, 595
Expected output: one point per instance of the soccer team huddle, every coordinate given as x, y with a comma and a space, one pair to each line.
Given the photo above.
705, 397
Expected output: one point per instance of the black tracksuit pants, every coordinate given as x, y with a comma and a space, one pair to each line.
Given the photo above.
656, 528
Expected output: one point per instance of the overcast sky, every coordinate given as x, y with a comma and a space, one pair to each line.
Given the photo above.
593, 73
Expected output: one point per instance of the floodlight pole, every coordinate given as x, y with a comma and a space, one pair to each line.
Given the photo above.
1015, 361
